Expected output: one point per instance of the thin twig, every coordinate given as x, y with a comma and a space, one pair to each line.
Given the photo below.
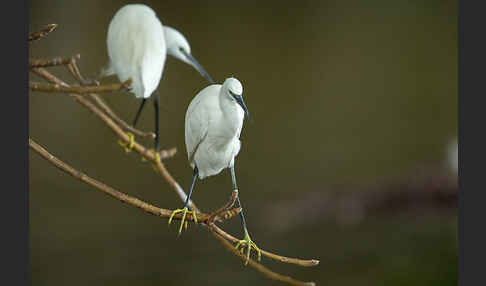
284, 259
145, 152
150, 155
267, 272
165, 213
74, 69
101, 103
151, 209
42, 33
57, 88
215, 215
163, 171
58, 61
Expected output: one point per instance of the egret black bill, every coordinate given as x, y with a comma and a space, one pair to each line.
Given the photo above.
241, 102
198, 66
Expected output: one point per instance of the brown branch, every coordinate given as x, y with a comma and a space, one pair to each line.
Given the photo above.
267, 272
57, 88
58, 61
165, 213
73, 68
101, 103
151, 209
150, 155
167, 176
147, 153
216, 214
274, 256
296, 261
34, 36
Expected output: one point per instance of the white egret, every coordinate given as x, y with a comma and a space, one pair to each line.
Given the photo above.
137, 47
213, 125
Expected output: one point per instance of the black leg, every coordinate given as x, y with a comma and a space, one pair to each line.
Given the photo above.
156, 107
249, 244
194, 176
139, 111
185, 209
235, 187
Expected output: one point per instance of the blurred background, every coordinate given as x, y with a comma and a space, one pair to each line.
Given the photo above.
351, 148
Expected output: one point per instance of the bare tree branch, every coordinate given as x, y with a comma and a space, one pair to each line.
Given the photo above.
58, 61
101, 103
57, 88
267, 272
74, 69
151, 209
34, 36
150, 155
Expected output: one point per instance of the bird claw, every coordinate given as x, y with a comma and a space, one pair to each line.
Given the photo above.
184, 212
246, 241
128, 146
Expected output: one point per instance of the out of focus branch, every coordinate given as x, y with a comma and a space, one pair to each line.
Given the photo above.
34, 36
427, 190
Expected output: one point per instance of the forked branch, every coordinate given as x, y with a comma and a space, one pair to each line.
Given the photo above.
149, 208
110, 119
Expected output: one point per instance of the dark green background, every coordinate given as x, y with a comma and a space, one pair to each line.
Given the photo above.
341, 92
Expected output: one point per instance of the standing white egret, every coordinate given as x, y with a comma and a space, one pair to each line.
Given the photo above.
137, 47
213, 125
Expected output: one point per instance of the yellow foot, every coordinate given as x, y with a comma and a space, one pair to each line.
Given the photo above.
184, 212
157, 159
246, 241
128, 146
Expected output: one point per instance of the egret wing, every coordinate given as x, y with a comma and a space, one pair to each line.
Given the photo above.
197, 122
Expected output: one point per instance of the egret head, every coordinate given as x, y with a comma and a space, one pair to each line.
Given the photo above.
178, 47
234, 90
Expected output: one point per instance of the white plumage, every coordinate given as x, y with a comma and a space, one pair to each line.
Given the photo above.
213, 125
137, 47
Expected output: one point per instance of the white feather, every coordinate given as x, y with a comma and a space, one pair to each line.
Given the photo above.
136, 47
212, 128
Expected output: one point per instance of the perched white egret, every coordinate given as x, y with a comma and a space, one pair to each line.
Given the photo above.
137, 47
213, 125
